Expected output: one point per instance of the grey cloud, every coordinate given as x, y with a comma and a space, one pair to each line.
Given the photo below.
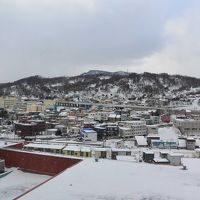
53, 38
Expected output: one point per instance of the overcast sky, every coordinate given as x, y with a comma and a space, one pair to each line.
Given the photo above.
69, 37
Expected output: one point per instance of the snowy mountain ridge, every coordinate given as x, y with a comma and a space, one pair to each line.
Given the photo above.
97, 83
104, 73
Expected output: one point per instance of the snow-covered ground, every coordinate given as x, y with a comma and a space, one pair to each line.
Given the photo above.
18, 182
120, 180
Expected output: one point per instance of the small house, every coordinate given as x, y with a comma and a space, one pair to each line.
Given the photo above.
112, 117
141, 141
89, 134
61, 128
72, 150
197, 152
190, 143
115, 143
74, 130
148, 156
100, 152
151, 137
174, 158
85, 151
51, 148
119, 152
163, 154
197, 144
181, 143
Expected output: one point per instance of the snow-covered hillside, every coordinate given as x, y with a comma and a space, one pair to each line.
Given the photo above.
105, 84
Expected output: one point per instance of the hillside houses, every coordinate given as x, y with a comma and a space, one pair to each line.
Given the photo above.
102, 129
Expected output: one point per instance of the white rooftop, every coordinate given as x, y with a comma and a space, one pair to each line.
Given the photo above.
85, 149
176, 154
45, 146
18, 182
72, 148
89, 131
99, 149
120, 150
141, 140
161, 160
108, 179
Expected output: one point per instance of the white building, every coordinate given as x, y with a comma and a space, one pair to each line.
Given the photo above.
188, 127
125, 132
101, 116
174, 158
132, 128
152, 129
89, 134
141, 141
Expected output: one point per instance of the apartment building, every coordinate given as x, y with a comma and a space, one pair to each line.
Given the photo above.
21, 105
49, 103
101, 116
35, 107
8, 102
132, 128
188, 127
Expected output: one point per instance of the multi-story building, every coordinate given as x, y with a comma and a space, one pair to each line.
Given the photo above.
101, 132
8, 102
49, 104
21, 105
101, 116
31, 128
107, 130
1, 102
112, 129
188, 127
132, 128
89, 134
35, 107
125, 132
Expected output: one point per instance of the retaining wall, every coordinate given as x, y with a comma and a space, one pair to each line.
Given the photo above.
36, 163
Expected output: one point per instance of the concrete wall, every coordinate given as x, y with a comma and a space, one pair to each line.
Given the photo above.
36, 163
17, 146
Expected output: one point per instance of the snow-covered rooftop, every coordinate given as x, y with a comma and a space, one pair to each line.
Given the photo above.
45, 146
72, 148
116, 180
120, 150
89, 131
18, 182
85, 149
141, 140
